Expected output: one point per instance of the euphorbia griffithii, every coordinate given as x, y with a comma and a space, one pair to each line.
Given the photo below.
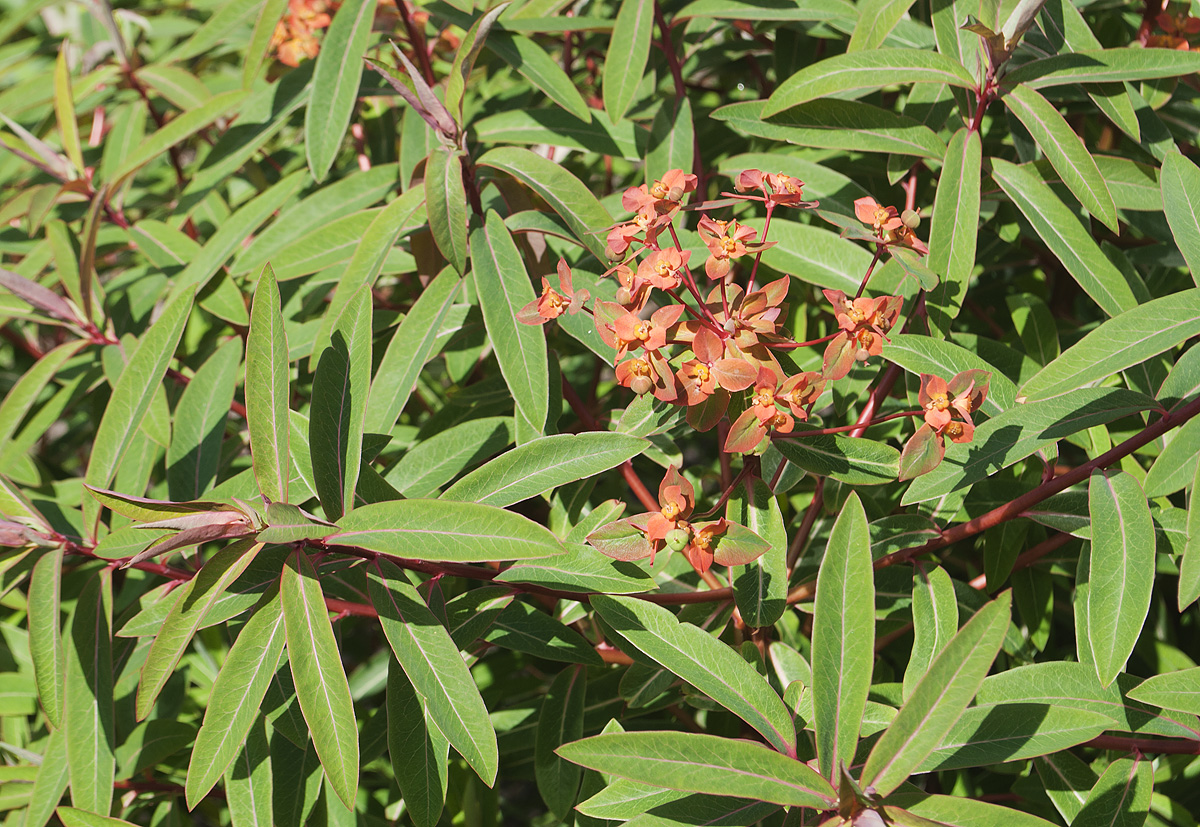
726, 240
889, 225
947, 409
552, 304
644, 535
864, 324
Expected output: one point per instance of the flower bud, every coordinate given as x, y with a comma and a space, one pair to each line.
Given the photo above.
911, 218
862, 354
624, 296
677, 539
641, 384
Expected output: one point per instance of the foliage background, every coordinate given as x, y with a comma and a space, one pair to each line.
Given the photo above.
221, 228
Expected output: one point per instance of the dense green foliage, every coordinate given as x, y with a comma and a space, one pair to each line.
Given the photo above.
688, 412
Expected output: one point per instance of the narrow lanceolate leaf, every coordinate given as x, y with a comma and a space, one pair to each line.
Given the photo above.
418, 750
1189, 565
1067, 781
843, 639
544, 464
560, 721
1021, 431
411, 345
760, 589
987, 735
939, 699
433, 664
566, 194
25, 391
45, 637
201, 592
199, 427
1104, 65
1180, 183
954, 228
1129, 339
439, 530
935, 622
504, 288
88, 695
704, 662
863, 71
628, 51
64, 109
339, 404
1122, 569
672, 141
72, 817
703, 763
876, 19
1065, 151
236, 698
338, 70
130, 400
446, 203
321, 685
50, 782
924, 354
853, 461
1065, 235
1121, 798
248, 783
265, 22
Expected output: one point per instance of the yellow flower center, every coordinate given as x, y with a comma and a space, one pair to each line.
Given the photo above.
764, 397
881, 216
554, 300
642, 331
779, 421
659, 190
938, 401
702, 373
954, 429
703, 539
855, 313
671, 511
662, 267
639, 367
728, 245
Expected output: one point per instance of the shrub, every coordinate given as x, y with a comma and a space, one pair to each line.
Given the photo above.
700, 412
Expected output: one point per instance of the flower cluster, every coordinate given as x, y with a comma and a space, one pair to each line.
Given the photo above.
295, 35
1176, 29
947, 407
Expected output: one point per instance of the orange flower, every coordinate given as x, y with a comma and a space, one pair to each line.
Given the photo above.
800, 392
700, 377
864, 324
882, 219
661, 268
552, 304
944, 402
726, 240
629, 332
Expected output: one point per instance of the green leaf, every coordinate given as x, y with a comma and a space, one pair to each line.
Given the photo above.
1122, 569
296, 781
503, 287
1121, 798
435, 461
179, 129
185, 617
703, 763
236, 697
26, 390
1067, 781
72, 817
876, 19
265, 22
64, 110
988, 735
817, 256
45, 638
249, 787
130, 400
1104, 65
836, 124
544, 464
939, 699
672, 142
935, 622
1189, 564
88, 695
1075, 685
566, 194
193, 457
267, 392
843, 639
1066, 152
1178, 690
1119, 343
1180, 178
954, 227
628, 51
852, 460
531, 127
418, 750
179, 86
923, 354
581, 569
321, 685
523, 628
962, 810
338, 70
704, 662
858, 71
465, 57
760, 588
339, 402
434, 666
446, 203
50, 783
1021, 431
1035, 325
1069, 240
439, 530
560, 721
